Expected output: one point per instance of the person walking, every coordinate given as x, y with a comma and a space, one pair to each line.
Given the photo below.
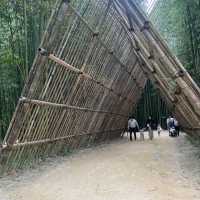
133, 127
170, 122
159, 128
167, 123
149, 127
149, 123
177, 127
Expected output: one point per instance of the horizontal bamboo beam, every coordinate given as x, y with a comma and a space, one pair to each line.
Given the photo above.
64, 106
61, 62
51, 140
192, 128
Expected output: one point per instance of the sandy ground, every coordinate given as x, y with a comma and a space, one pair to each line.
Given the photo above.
162, 169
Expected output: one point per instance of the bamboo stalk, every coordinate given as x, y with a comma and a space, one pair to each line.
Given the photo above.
53, 140
64, 106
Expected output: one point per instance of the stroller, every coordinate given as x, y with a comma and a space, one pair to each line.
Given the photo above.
173, 132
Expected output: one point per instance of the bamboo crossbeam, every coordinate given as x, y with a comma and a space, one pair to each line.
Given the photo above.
64, 106
52, 140
191, 128
61, 62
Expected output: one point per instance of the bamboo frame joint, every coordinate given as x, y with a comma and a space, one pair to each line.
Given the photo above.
153, 71
146, 26
95, 34
177, 90
151, 56
131, 29
43, 52
111, 52
179, 74
137, 48
175, 100
134, 79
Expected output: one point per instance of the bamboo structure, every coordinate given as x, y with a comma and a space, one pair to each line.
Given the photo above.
163, 68
89, 73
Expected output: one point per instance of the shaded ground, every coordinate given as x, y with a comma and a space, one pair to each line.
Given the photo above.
162, 169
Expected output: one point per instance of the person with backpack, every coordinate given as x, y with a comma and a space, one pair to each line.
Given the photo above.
170, 122
171, 126
133, 127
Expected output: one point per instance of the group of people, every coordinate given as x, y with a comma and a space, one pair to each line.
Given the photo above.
133, 126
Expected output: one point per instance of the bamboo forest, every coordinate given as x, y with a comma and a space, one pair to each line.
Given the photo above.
99, 99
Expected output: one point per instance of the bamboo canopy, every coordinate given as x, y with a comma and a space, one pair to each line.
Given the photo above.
89, 73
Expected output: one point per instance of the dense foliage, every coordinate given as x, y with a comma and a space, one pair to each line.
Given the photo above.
22, 23
179, 23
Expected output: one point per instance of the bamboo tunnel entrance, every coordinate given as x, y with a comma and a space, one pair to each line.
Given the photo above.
89, 73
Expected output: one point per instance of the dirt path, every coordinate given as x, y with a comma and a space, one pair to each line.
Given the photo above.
162, 169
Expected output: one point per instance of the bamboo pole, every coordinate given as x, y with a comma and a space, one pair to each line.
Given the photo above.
64, 106
45, 141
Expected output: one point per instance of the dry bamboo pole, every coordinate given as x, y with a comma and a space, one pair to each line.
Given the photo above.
190, 94
64, 106
45, 141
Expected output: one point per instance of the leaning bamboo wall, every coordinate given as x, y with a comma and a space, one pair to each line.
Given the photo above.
84, 82
162, 67
89, 73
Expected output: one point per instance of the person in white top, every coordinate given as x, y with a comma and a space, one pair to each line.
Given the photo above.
170, 122
133, 127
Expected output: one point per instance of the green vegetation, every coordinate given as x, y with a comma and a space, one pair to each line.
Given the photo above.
22, 23
179, 23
